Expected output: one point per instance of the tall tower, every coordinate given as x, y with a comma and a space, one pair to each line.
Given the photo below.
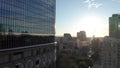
114, 26
27, 33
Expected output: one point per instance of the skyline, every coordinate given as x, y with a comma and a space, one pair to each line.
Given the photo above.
91, 16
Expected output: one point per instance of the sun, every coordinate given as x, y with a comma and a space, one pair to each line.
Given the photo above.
92, 24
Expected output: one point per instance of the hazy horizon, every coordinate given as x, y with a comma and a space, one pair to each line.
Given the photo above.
73, 16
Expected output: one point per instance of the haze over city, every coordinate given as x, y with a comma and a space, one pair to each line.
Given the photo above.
91, 16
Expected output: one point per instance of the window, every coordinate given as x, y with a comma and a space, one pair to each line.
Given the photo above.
29, 64
6, 67
19, 65
37, 62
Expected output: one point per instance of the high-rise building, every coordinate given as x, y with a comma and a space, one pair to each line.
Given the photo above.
110, 47
81, 35
110, 53
114, 26
27, 33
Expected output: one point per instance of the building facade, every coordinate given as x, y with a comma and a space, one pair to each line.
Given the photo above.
110, 46
67, 37
114, 26
110, 53
67, 42
27, 33
81, 35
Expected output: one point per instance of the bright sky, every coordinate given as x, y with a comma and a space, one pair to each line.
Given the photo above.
91, 16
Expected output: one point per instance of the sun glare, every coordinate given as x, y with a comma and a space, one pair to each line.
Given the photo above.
92, 24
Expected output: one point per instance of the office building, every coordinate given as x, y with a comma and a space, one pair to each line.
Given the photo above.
27, 33
110, 46
81, 39
81, 35
114, 26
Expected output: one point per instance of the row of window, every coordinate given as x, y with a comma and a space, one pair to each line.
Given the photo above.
45, 52
13, 41
28, 29
39, 63
33, 16
12, 11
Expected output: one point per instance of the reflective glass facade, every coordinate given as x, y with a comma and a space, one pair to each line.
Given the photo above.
114, 26
26, 22
32, 16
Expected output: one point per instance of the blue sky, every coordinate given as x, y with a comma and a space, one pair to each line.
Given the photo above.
73, 16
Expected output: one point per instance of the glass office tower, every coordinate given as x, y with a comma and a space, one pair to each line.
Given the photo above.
27, 33
114, 26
